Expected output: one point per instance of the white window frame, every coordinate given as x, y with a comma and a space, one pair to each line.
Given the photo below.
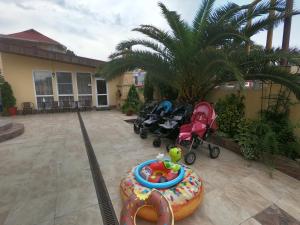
78, 95
64, 95
107, 91
34, 89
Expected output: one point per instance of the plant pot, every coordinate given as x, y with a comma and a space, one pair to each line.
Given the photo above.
129, 113
12, 111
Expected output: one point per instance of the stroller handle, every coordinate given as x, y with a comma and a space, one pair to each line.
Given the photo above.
212, 122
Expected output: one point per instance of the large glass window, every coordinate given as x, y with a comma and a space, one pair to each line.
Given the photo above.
64, 87
43, 88
84, 89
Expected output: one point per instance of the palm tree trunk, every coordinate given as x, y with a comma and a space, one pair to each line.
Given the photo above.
287, 29
270, 30
249, 23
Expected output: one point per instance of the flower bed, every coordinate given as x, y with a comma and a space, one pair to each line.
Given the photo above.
281, 163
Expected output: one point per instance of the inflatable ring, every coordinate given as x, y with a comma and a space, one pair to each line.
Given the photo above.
184, 197
148, 184
156, 200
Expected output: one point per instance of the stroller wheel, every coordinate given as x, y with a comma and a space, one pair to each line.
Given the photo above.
136, 129
214, 152
156, 142
143, 134
190, 158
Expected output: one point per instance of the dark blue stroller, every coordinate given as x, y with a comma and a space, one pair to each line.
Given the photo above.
144, 114
169, 128
151, 123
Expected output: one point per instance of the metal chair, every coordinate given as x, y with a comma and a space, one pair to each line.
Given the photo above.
66, 106
54, 107
27, 108
86, 105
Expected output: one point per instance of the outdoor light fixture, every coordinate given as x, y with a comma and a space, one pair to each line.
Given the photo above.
53, 75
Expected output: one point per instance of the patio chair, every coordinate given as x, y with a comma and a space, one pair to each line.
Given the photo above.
86, 105
66, 106
27, 108
54, 107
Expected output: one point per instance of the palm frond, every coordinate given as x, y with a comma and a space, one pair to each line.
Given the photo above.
125, 45
158, 35
137, 59
223, 12
264, 23
251, 13
179, 28
203, 14
281, 77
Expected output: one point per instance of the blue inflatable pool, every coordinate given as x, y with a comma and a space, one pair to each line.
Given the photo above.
148, 184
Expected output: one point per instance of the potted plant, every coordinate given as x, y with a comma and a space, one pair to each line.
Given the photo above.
8, 99
132, 102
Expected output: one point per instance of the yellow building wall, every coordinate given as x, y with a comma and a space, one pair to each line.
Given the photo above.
253, 103
1, 67
18, 71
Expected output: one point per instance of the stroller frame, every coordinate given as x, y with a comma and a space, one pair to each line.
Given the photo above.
190, 156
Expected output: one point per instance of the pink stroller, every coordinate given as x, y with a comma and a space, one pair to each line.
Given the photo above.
202, 125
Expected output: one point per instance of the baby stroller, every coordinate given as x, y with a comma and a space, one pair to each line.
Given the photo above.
143, 115
170, 127
151, 123
202, 125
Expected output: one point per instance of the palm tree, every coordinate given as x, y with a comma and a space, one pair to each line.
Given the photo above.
196, 58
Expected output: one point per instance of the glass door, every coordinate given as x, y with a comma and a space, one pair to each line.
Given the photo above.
101, 92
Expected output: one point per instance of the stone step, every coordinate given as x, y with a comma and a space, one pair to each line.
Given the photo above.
4, 125
15, 130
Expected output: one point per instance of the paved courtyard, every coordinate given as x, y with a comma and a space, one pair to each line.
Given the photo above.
45, 177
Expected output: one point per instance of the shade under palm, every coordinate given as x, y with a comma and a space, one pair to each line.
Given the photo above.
195, 58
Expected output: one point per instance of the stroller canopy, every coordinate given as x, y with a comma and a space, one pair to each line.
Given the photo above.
165, 106
205, 112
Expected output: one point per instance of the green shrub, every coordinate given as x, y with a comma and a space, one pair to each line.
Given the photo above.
8, 99
132, 103
257, 141
288, 144
231, 113
247, 139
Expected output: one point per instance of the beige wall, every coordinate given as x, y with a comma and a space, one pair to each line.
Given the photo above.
18, 71
1, 67
253, 103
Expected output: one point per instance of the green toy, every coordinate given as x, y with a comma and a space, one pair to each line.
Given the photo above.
175, 155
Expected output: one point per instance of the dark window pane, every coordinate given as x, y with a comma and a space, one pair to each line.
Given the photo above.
101, 87
84, 83
102, 100
64, 77
43, 83
65, 89
64, 83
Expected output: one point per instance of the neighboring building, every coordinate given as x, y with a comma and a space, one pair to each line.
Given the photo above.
41, 70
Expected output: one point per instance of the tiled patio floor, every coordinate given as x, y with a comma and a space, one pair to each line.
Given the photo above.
234, 191
45, 177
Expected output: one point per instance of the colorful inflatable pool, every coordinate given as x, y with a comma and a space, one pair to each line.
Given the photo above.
184, 193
